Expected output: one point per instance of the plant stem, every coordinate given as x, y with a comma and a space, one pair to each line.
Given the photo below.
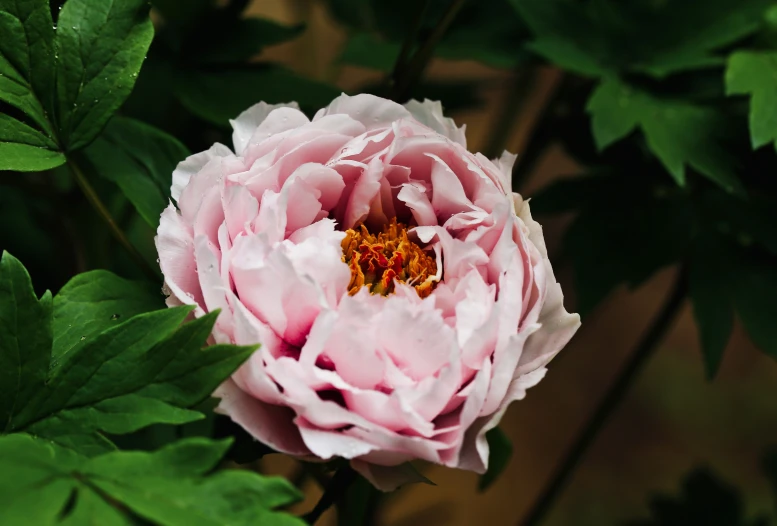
539, 139
335, 491
100, 208
409, 75
409, 43
522, 83
612, 398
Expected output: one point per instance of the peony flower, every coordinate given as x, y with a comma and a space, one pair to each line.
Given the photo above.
401, 293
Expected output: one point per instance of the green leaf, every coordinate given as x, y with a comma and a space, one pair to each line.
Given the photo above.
357, 506
25, 158
501, 450
170, 486
246, 38
755, 74
218, 97
370, 51
601, 37
705, 499
27, 83
101, 46
25, 339
140, 160
753, 293
95, 301
653, 230
116, 377
679, 133
713, 310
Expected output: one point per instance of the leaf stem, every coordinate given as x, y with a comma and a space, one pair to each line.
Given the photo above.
409, 43
102, 211
539, 138
523, 82
335, 491
409, 75
612, 398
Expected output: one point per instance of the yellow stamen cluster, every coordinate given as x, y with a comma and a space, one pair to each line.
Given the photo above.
376, 261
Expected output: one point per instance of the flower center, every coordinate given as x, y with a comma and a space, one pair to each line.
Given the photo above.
376, 261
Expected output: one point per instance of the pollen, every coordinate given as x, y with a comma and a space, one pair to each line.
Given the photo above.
376, 261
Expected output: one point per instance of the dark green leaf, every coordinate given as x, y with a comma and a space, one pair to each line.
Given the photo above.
755, 74
218, 97
754, 292
357, 507
168, 487
677, 132
705, 500
101, 46
246, 38
25, 339
95, 301
370, 51
710, 271
27, 83
107, 375
501, 449
658, 38
25, 158
653, 230
140, 160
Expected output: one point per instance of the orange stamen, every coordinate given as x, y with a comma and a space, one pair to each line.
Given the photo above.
377, 261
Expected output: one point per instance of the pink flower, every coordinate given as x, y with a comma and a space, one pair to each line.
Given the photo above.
402, 295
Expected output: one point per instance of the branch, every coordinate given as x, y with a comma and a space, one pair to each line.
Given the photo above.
408, 76
644, 350
118, 233
335, 491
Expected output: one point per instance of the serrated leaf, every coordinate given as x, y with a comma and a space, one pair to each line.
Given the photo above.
168, 487
101, 46
25, 158
755, 74
753, 294
500, 452
602, 37
710, 269
140, 160
27, 83
92, 302
25, 339
370, 51
117, 377
245, 38
679, 133
218, 97
653, 231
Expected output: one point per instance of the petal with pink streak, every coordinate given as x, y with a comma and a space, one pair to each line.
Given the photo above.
430, 114
328, 444
244, 126
373, 112
240, 209
415, 337
275, 124
193, 164
271, 424
448, 197
364, 191
415, 197
175, 246
474, 453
